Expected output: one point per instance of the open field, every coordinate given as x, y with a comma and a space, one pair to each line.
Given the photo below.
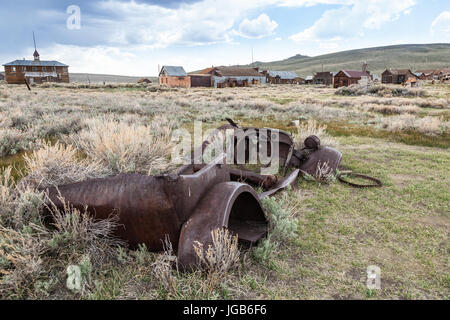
323, 236
108, 78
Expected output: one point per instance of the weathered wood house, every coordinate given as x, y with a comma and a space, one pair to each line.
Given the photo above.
345, 78
200, 80
325, 78
36, 71
443, 74
282, 77
427, 74
397, 76
174, 76
234, 77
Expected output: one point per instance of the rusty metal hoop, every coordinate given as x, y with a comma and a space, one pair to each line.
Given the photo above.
362, 176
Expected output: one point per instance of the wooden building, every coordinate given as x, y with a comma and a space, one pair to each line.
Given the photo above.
174, 76
427, 74
234, 76
200, 80
443, 74
282, 77
325, 78
345, 78
420, 75
36, 71
397, 76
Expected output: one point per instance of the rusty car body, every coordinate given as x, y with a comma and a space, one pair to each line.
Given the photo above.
188, 205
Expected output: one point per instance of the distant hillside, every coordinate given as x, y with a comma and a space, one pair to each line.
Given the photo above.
413, 56
108, 78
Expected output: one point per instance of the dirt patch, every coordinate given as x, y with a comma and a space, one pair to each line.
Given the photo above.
441, 222
403, 180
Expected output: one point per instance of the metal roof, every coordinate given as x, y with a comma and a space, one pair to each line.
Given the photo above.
175, 71
282, 74
37, 63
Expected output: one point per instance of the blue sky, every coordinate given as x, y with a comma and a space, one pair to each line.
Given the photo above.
134, 37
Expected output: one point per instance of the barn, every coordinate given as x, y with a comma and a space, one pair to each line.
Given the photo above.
36, 71
282, 77
174, 76
348, 77
397, 76
200, 80
234, 76
325, 78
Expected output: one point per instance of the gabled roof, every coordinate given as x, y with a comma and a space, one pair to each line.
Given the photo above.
427, 71
37, 63
399, 71
355, 73
175, 71
323, 74
282, 74
207, 70
236, 72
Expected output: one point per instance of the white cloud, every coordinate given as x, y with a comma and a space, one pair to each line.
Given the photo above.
310, 3
198, 23
353, 18
441, 25
257, 28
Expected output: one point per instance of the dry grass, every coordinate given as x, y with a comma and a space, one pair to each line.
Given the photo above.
320, 234
123, 147
163, 269
427, 125
58, 164
312, 127
221, 256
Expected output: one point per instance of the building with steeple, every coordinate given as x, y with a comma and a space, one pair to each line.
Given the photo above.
36, 70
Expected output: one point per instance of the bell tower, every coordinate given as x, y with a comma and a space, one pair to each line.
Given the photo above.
35, 54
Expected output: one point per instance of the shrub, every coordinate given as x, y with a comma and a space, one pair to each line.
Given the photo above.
218, 259
76, 233
123, 147
163, 268
381, 91
311, 127
12, 141
222, 256
21, 262
283, 226
427, 125
58, 164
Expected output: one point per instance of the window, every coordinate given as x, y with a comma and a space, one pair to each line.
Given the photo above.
13, 69
34, 69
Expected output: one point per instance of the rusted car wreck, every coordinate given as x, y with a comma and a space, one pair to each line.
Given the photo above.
197, 199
